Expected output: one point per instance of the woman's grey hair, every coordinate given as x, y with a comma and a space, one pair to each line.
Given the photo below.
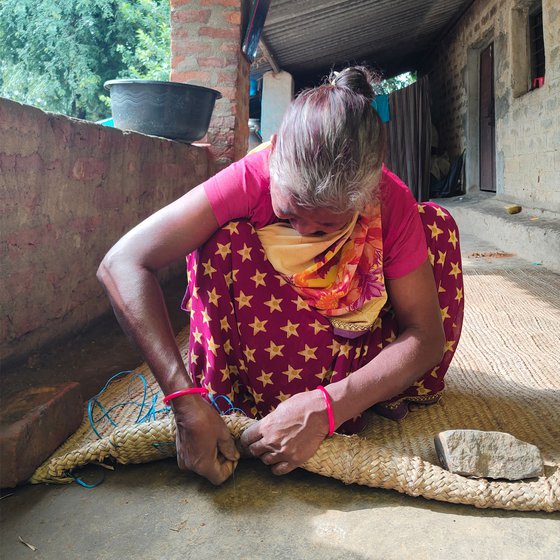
330, 146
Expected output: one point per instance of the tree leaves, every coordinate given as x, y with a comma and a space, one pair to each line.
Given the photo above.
56, 54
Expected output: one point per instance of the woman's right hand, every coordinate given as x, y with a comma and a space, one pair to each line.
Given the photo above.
204, 443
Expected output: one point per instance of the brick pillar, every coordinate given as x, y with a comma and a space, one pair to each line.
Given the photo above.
206, 51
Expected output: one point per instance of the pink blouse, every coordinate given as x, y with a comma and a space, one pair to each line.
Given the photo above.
242, 190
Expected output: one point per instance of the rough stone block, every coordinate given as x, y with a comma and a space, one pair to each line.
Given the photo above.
481, 454
32, 425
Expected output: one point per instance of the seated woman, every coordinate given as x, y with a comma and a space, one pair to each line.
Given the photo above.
317, 287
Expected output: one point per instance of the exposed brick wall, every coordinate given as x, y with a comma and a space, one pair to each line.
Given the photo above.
68, 190
528, 125
206, 51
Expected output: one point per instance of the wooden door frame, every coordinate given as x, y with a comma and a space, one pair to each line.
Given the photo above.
481, 119
472, 164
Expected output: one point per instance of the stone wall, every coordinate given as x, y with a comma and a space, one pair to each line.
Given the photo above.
206, 51
527, 122
68, 190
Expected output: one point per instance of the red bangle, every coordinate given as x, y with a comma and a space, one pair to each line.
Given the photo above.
182, 392
329, 408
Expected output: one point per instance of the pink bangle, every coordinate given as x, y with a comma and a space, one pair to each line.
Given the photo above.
182, 392
329, 408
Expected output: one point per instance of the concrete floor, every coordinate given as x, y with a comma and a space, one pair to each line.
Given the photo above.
153, 511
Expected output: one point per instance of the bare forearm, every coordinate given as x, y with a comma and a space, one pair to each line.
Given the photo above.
128, 273
139, 306
394, 369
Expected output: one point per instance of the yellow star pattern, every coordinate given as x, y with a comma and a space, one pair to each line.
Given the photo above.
301, 304
195, 292
441, 289
212, 346
245, 253
210, 388
420, 389
249, 354
280, 279
325, 374
449, 345
208, 268
275, 349
431, 256
335, 347
213, 297
225, 373
224, 324
232, 227
433, 373
227, 278
308, 353
227, 347
234, 274
392, 337
258, 326
435, 231
345, 349
459, 295
265, 378
197, 336
444, 314
455, 270
453, 238
256, 396
273, 303
421, 209
442, 256
441, 213
223, 250
205, 317
290, 329
318, 327
292, 373
243, 300
258, 279
283, 396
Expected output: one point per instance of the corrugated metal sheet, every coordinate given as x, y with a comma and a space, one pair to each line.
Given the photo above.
394, 35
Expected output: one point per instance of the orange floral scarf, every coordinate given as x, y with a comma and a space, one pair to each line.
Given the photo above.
339, 274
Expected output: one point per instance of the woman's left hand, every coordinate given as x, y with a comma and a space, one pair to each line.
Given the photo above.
291, 434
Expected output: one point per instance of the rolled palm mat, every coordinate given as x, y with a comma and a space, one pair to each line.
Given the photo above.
504, 378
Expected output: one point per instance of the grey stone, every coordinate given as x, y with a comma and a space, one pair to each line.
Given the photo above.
481, 454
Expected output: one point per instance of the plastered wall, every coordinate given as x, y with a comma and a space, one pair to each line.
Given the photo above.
527, 122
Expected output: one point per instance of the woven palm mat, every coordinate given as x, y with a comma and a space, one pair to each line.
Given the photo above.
505, 377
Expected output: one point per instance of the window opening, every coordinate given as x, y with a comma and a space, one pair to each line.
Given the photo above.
536, 37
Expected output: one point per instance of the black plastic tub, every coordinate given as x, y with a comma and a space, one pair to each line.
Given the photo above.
170, 109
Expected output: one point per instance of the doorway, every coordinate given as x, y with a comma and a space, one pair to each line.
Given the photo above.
487, 121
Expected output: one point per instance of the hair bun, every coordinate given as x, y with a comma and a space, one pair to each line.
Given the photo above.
357, 78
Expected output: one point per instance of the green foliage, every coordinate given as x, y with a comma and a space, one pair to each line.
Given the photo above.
397, 82
56, 54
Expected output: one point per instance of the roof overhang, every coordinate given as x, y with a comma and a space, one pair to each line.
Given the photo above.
310, 37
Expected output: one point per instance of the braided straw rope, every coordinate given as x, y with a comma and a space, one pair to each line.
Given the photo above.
504, 378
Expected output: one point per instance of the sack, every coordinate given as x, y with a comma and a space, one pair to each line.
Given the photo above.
450, 185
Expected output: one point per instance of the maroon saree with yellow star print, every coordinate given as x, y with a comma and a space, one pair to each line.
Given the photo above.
256, 339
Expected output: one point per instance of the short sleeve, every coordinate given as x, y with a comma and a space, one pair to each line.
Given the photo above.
404, 241
242, 190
